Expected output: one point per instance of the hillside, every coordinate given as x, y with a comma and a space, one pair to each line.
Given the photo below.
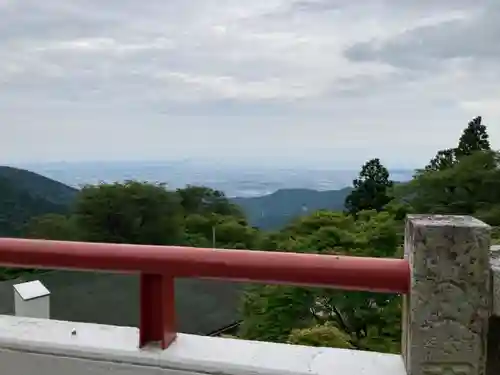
25, 194
39, 186
275, 210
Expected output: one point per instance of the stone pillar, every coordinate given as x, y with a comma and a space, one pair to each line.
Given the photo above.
445, 314
493, 362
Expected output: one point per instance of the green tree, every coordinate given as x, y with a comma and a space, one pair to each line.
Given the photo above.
130, 212
212, 220
203, 200
370, 188
273, 312
470, 187
53, 227
444, 159
474, 138
221, 231
321, 335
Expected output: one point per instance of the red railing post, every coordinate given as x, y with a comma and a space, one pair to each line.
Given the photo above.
157, 314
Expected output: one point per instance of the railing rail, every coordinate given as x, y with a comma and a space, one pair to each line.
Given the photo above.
160, 265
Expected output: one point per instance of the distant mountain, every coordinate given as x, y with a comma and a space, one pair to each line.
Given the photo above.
39, 186
245, 180
24, 194
273, 211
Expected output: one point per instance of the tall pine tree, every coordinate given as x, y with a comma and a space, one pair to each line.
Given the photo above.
370, 188
444, 159
474, 138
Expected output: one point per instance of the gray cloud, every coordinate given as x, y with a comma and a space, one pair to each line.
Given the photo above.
472, 35
264, 78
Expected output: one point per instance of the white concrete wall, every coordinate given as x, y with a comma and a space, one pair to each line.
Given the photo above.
48, 347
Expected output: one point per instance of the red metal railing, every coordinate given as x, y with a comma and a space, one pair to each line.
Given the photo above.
160, 265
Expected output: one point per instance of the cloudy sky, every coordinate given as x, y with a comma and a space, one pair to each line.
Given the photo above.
331, 82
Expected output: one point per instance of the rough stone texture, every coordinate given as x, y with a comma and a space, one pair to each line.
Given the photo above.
495, 271
446, 312
493, 360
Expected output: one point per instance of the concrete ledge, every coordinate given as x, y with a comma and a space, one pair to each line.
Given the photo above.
100, 349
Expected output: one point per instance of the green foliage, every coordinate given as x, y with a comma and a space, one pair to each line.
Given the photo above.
134, 212
38, 186
471, 186
273, 312
18, 206
444, 159
205, 201
474, 138
370, 188
211, 220
213, 230
53, 226
466, 181
399, 209
463, 180
130, 212
23, 196
321, 335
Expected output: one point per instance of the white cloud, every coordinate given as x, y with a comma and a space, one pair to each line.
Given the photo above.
352, 79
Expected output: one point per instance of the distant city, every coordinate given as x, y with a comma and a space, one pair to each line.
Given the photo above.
243, 181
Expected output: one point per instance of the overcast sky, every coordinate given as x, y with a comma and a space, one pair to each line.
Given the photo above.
331, 82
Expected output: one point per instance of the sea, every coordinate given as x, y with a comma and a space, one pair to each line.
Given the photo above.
235, 181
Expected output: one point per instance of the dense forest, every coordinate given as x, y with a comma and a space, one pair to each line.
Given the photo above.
461, 180
24, 194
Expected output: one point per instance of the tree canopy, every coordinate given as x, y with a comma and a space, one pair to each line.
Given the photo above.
468, 187
130, 212
273, 312
370, 188
474, 138
444, 159
145, 213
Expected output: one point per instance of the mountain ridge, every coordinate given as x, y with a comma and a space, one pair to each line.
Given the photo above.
47, 188
19, 202
25, 194
274, 210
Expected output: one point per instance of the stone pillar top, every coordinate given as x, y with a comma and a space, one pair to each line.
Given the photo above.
446, 220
